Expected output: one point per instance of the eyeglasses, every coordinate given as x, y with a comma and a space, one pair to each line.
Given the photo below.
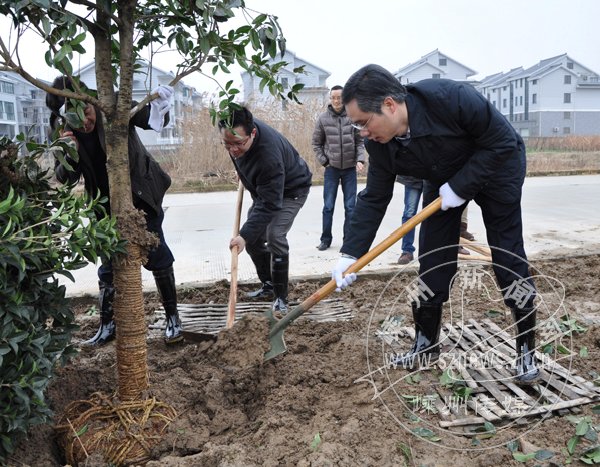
238, 144
362, 126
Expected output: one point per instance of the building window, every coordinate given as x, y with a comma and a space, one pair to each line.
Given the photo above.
284, 83
566, 130
504, 103
567, 98
521, 100
494, 103
567, 79
436, 76
521, 83
534, 81
25, 113
7, 88
504, 88
7, 110
569, 65
534, 98
442, 62
567, 115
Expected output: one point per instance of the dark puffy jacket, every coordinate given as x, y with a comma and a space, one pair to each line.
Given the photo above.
271, 170
149, 182
335, 142
456, 136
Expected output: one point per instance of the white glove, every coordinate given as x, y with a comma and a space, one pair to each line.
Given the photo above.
449, 198
342, 282
159, 107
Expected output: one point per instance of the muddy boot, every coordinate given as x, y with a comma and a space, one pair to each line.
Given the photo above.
263, 269
279, 272
425, 349
165, 283
464, 233
527, 371
107, 330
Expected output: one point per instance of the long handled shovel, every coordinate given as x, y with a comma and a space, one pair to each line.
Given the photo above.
234, 258
277, 327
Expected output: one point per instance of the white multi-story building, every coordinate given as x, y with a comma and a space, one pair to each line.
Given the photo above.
185, 102
22, 108
314, 80
556, 97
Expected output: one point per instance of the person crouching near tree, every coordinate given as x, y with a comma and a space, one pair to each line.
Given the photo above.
148, 183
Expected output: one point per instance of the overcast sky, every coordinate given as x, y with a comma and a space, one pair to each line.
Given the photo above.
340, 36
487, 36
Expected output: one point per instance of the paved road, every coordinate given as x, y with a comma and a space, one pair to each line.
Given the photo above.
560, 214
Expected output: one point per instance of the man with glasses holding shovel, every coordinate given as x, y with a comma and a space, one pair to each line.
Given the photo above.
278, 180
448, 134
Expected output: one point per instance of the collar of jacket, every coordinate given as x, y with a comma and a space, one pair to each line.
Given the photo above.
331, 110
418, 120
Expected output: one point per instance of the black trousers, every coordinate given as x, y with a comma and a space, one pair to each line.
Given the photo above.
438, 248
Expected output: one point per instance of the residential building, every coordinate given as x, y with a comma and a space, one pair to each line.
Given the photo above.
22, 108
185, 99
556, 97
314, 79
434, 65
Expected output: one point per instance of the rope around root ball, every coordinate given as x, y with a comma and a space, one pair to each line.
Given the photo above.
124, 433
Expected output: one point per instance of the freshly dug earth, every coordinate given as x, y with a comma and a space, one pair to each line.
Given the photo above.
314, 405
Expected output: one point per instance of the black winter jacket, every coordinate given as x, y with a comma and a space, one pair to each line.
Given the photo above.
456, 136
149, 182
335, 142
271, 170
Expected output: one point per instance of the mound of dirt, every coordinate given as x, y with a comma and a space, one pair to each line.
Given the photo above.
314, 404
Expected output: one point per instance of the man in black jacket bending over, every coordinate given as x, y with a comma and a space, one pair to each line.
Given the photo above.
449, 135
148, 185
278, 180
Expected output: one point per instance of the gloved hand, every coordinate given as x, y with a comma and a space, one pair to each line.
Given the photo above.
342, 282
159, 107
449, 198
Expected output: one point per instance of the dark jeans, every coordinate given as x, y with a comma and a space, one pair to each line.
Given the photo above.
411, 205
439, 239
332, 179
159, 258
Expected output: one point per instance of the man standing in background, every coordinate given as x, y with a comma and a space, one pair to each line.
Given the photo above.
340, 149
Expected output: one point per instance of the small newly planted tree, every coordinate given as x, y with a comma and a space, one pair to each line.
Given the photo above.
198, 31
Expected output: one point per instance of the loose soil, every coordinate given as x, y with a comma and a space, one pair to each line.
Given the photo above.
315, 404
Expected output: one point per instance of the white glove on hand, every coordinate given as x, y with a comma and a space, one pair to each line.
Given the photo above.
337, 273
449, 198
159, 107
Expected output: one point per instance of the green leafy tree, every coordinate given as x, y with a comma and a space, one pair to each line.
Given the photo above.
205, 35
45, 231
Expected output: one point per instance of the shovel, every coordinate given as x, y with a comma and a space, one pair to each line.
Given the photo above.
276, 328
194, 336
234, 259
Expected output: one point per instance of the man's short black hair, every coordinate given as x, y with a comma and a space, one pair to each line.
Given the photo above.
370, 86
239, 117
336, 88
54, 102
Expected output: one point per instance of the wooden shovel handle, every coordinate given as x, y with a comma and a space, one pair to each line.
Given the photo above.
234, 258
360, 263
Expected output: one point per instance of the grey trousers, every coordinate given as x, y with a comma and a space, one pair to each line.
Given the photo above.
273, 239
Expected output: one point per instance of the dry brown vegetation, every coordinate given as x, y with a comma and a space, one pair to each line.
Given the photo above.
202, 164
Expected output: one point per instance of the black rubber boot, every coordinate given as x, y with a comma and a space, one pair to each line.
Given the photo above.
464, 233
527, 371
425, 349
107, 330
280, 266
165, 283
263, 269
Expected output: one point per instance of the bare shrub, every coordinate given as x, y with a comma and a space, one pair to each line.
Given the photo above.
202, 163
564, 143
